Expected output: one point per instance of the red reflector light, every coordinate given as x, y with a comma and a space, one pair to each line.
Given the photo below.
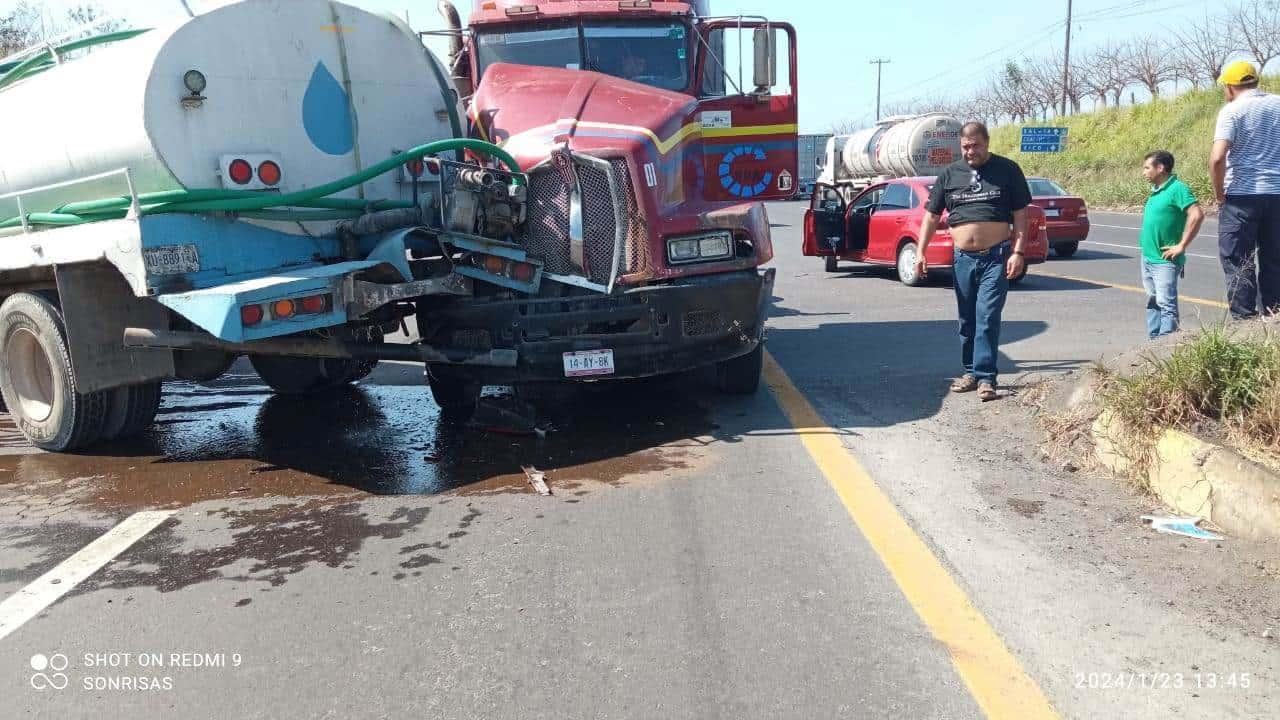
283, 308
522, 272
493, 264
415, 167
269, 173
313, 304
250, 315
241, 172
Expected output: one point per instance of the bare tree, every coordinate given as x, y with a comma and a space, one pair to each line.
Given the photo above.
1257, 22
1151, 64
19, 29
1204, 47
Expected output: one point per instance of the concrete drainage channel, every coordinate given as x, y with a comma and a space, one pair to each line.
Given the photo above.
1195, 477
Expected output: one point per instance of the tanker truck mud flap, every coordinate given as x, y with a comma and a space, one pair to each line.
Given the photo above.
97, 305
653, 330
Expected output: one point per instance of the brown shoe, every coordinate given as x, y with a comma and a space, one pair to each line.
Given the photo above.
987, 392
964, 383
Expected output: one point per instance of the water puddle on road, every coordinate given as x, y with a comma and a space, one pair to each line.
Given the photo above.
235, 439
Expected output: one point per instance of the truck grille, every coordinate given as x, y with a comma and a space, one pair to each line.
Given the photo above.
547, 228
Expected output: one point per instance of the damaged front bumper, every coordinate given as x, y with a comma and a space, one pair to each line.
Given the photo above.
652, 330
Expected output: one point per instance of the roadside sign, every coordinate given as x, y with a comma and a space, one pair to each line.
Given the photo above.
1043, 139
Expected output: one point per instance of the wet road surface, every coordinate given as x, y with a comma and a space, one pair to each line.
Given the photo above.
356, 555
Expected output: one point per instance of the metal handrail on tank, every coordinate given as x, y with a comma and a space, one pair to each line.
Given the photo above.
134, 206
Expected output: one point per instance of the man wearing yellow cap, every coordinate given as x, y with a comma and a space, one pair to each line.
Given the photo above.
1245, 168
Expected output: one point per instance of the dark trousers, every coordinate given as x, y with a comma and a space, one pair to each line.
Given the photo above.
981, 288
1249, 247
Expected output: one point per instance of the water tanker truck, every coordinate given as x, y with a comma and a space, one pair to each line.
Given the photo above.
284, 179
293, 180
651, 135
903, 146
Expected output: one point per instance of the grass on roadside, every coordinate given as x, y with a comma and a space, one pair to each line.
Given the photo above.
1224, 382
1105, 148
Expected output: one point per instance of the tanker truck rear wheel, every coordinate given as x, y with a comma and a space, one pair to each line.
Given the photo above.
131, 410
455, 395
304, 375
37, 381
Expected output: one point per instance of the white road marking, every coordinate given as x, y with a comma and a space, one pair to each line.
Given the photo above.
1131, 247
1126, 227
31, 600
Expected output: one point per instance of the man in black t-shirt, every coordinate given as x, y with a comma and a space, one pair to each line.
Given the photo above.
986, 198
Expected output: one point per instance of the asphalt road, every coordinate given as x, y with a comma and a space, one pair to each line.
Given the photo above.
849, 542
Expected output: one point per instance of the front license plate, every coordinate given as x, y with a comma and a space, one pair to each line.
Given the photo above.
587, 363
171, 260
1051, 213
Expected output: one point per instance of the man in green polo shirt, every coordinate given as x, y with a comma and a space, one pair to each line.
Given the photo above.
1170, 220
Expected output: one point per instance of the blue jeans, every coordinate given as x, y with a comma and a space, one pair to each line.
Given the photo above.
1249, 246
981, 288
1161, 283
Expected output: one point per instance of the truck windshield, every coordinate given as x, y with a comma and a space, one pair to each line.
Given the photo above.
655, 54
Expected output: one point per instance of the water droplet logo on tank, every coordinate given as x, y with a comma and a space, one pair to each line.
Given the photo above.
326, 113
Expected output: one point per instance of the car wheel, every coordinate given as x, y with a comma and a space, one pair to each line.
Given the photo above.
831, 263
907, 255
1065, 249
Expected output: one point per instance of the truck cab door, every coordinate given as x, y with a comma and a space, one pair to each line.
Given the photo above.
747, 109
824, 229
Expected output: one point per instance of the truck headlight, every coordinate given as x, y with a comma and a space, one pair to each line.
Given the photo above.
700, 248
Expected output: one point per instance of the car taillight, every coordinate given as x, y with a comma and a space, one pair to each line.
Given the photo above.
250, 315
269, 173
522, 271
241, 172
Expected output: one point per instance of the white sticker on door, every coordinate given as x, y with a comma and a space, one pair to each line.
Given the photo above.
784, 180
717, 119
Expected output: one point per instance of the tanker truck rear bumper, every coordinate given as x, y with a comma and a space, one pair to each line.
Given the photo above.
647, 331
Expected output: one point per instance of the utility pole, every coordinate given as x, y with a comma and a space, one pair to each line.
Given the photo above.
879, 63
1066, 62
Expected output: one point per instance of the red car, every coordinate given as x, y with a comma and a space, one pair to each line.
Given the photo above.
1068, 216
882, 225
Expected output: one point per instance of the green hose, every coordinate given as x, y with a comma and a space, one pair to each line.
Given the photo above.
240, 201
44, 59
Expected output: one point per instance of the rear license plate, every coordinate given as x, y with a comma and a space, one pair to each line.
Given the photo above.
171, 260
1052, 212
587, 363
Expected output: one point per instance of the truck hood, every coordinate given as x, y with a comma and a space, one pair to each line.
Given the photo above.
532, 110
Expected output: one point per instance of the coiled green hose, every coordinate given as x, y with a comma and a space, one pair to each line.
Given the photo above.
217, 200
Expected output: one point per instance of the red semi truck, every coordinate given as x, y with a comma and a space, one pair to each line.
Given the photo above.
651, 136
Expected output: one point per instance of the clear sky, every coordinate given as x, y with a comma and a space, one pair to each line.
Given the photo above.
933, 46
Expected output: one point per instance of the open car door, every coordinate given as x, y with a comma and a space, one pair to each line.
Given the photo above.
824, 228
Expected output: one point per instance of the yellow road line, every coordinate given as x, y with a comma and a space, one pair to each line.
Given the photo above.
1129, 288
993, 675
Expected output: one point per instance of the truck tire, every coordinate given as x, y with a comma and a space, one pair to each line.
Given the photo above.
831, 263
131, 410
36, 379
907, 255
455, 396
1065, 249
303, 375
741, 375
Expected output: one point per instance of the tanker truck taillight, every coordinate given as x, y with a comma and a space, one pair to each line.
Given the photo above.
251, 171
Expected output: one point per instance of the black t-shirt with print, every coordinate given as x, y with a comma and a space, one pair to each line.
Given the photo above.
990, 193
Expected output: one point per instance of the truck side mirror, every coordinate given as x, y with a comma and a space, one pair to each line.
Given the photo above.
766, 60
